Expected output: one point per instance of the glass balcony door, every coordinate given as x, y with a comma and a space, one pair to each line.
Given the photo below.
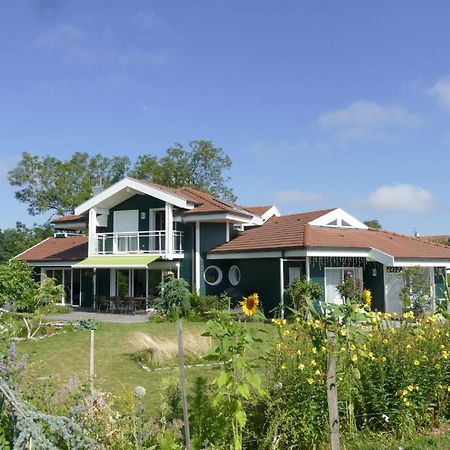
126, 225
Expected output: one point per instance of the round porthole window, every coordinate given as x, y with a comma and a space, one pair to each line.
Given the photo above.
213, 275
234, 275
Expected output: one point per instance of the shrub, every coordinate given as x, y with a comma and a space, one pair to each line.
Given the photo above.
302, 291
17, 286
174, 297
202, 304
416, 293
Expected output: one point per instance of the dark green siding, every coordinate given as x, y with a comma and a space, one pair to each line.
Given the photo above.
140, 202
188, 249
211, 236
257, 275
103, 277
317, 275
87, 288
375, 284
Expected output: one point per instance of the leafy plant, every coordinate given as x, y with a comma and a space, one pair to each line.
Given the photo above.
416, 292
237, 381
203, 304
301, 292
174, 297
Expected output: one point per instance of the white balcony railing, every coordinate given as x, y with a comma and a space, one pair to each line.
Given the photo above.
137, 242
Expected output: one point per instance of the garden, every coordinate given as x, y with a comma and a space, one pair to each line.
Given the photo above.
342, 376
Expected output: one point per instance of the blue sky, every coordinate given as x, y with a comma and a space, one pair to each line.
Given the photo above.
319, 104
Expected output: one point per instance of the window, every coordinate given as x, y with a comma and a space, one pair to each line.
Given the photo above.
234, 275
213, 275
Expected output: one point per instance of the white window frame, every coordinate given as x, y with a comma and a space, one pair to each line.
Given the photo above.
219, 278
358, 275
232, 277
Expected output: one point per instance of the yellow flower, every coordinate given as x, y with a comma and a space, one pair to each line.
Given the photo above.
367, 298
301, 366
250, 304
317, 372
310, 380
408, 346
283, 366
385, 341
343, 332
383, 359
314, 350
438, 366
410, 388
355, 358
286, 333
299, 352
416, 362
313, 363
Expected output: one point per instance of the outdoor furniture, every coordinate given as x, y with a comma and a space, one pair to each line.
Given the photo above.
103, 303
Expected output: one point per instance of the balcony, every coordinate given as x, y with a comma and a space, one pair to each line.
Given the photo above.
138, 242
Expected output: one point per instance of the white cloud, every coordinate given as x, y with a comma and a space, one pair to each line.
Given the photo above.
146, 20
400, 198
368, 119
297, 197
62, 36
441, 91
75, 44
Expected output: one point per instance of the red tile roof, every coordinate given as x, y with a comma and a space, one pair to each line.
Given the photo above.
71, 248
293, 231
69, 218
277, 232
258, 210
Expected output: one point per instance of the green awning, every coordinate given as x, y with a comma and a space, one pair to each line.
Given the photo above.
117, 262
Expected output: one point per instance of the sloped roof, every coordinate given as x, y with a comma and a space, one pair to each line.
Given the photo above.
278, 232
294, 231
258, 210
69, 218
71, 248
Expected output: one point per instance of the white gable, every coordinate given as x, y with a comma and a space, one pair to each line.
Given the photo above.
338, 218
124, 190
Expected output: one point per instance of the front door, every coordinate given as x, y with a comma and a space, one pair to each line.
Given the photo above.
394, 285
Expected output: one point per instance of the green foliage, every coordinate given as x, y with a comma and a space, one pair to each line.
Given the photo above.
49, 184
350, 290
373, 223
302, 292
17, 286
200, 166
237, 382
48, 293
46, 183
208, 426
203, 304
15, 240
174, 297
416, 292
89, 324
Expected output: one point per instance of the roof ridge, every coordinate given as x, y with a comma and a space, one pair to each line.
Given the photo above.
307, 212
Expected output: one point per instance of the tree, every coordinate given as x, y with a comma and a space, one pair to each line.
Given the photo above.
373, 223
15, 240
49, 184
201, 166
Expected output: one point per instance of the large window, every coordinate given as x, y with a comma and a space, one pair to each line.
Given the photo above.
334, 277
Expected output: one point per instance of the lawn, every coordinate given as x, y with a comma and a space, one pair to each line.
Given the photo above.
56, 359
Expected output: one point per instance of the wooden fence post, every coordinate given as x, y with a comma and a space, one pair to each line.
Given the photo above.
183, 385
333, 412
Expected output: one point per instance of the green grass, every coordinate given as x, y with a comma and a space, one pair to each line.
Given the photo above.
56, 359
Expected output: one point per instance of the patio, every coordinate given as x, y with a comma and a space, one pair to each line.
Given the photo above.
77, 315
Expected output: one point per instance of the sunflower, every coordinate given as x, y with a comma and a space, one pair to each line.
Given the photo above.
367, 298
250, 304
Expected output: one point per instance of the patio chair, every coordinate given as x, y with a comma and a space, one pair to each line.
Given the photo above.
103, 303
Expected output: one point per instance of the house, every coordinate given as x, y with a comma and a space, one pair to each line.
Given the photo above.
130, 234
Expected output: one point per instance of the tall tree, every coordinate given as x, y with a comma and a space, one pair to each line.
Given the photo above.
373, 223
15, 240
201, 166
49, 184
